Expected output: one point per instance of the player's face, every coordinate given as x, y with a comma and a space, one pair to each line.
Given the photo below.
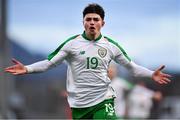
93, 23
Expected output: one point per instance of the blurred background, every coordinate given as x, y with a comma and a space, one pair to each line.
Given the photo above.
149, 31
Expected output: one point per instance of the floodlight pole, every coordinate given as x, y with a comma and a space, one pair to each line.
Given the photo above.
6, 82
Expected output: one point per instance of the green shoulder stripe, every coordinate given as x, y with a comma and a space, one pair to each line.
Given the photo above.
50, 56
115, 43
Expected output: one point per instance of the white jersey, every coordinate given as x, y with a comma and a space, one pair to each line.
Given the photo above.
88, 61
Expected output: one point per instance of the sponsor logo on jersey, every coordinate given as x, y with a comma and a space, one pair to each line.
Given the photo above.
82, 52
102, 52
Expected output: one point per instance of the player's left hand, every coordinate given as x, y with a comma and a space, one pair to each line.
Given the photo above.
161, 77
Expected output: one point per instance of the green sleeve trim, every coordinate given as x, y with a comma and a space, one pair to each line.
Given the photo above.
50, 56
121, 49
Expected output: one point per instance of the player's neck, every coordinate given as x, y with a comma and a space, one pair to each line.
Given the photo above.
92, 36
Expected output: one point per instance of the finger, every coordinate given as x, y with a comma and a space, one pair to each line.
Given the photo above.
15, 73
8, 68
164, 82
15, 61
11, 71
11, 68
167, 75
160, 82
161, 67
166, 79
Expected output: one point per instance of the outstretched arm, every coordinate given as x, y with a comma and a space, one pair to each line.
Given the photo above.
157, 75
41, 66
16, 69
19, 68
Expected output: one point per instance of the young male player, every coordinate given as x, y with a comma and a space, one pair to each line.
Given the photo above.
88, 56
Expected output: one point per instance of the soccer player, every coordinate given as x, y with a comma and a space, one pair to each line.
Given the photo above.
88, 56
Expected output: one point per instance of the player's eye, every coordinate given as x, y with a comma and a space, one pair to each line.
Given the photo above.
88, 19
96, 19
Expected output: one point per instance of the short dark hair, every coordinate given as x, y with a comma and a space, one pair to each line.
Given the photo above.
94, 8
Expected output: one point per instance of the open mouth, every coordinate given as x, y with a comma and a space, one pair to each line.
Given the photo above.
92, 28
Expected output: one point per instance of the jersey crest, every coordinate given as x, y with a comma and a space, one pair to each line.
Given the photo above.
102, 52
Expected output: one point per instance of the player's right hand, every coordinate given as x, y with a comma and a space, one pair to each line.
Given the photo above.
17, 69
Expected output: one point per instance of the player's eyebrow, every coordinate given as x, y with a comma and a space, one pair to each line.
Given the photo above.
92, 18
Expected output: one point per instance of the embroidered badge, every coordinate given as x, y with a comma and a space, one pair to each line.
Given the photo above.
102, 52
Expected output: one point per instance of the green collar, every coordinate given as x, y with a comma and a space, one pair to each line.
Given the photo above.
85, 37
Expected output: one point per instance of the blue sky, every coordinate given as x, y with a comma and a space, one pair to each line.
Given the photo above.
149, 30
